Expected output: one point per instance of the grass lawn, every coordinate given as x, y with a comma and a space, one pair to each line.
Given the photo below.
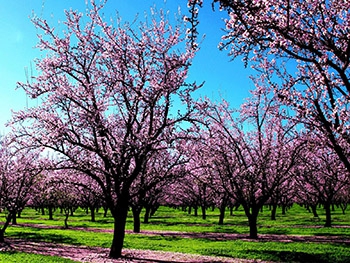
16, 257
297, 221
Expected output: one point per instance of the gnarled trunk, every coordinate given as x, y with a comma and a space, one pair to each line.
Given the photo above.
136, 211
4, 227
252, 214
120, 214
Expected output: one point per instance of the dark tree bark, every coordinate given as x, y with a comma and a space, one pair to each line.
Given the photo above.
92, 209
66, 218
136, 211
50, 212
120, 214
105, 211
343, 207
327, 208
195, 211
252, 214
204, 214
284, 209
14, 219
222, 210
4, 227
147, 215
273, 211
314, 210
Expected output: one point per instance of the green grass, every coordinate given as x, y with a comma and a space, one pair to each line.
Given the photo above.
15, 257
275, 251
297, 221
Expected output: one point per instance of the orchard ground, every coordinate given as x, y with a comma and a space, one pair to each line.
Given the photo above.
175, 236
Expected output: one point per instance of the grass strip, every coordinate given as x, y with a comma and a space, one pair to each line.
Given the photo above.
273, 251
297, 221
16, 257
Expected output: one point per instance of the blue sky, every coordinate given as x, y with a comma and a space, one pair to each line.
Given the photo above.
225, 78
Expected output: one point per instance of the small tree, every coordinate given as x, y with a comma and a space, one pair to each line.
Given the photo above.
19, 169
252, 154
322, 175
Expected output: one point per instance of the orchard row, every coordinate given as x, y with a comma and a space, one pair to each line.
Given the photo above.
118, 125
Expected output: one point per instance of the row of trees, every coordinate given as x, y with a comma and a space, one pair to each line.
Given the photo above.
117, 115
250, 157
226, 166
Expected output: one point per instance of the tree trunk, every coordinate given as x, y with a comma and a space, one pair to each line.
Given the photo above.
50, 212
42, 211
147, 214
314, 211
136, 211
154, 209
105, 211
273, 212
204, 214
14, 219
4, 227
343, 207
195, 211
284, 209
66, 219
252, 220
328, 223
222, 211
92, 209
2, 238
253, 229
120, 214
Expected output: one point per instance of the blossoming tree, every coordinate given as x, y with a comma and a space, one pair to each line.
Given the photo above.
321, 177
106, 96
251, 154
19, 169
305, 44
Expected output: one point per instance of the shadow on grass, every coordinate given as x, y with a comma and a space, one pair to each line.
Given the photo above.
283, 256
197, 224
143, 259
345, 235
40, 236
294, 256
275, 231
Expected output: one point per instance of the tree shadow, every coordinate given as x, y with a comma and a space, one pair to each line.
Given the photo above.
149, 260
46, 237
294, 256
